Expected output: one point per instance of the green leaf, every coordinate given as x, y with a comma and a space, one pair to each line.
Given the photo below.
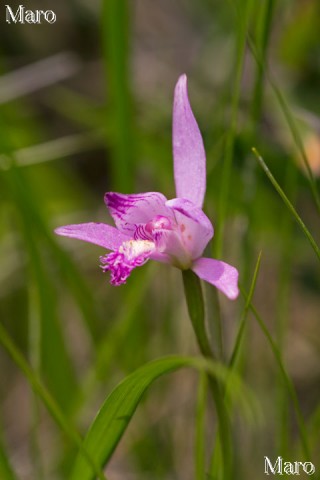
116, 412
119, 407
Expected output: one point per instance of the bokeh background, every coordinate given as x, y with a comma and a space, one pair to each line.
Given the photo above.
86, 107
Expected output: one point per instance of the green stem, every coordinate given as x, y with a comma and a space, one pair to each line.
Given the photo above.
195, 303
215, 327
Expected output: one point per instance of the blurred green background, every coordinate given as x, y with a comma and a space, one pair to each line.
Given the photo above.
85, 107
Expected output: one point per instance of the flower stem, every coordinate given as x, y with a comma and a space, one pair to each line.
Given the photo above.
195, 303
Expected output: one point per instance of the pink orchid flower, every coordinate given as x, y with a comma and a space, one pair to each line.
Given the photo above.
148, 226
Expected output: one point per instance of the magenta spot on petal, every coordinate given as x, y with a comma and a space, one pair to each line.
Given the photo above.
161, 223
158, 223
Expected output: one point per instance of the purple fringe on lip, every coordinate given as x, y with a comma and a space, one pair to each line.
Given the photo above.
118, 268
120, 264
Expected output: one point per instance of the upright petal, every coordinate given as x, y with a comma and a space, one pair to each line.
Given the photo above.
128, 211
219, 274
188, 150
196, 230
98, 233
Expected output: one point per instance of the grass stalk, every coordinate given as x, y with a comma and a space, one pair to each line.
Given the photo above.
6, 470
241, 330
49, 402
286, 379
287, 203
263, 35
115, 39
229, 147
34, 344
200, 450
291, 123
282, 308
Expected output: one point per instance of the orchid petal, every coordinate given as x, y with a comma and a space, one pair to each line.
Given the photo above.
195, 228
220, 274
98, 233
131, 254
188, 150
128, 211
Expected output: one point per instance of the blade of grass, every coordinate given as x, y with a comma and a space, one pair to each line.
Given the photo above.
223, 201
49, 402
263, 34
200, 444
54, 149
290, 121
6, 470
286, 379
55, 362
287, 203
238, 342
282, 308
227, 164
314, 427
26, 200
37, 75
115, 41
34, 353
